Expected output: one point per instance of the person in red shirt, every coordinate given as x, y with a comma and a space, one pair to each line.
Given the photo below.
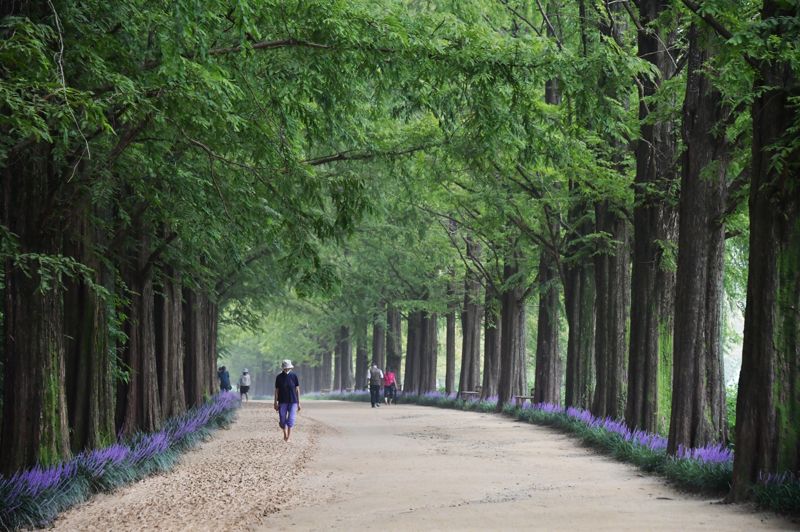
389, 386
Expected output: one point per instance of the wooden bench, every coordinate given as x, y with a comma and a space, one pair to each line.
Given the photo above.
519, 400
469, 396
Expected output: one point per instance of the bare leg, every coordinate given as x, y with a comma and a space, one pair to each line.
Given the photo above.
288, 433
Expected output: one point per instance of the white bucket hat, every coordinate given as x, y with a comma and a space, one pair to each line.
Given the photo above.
286, 364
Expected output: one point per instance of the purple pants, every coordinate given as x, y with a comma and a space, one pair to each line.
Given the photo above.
288, 413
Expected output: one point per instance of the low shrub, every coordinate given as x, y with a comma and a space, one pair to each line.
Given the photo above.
779, 492
34, 497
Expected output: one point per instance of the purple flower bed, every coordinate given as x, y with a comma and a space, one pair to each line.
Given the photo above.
712, 453
35, 496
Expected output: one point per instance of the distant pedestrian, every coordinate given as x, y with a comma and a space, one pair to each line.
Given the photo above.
287, 398
375, 381
224, 379
389, 386
244, 386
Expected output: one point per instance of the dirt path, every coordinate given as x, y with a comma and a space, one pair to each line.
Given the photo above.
402, 468
417, 468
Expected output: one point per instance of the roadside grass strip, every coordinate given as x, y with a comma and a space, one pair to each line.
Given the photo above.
34, 497
706, 469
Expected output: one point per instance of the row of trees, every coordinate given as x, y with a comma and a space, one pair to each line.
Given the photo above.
344, 167
612, 197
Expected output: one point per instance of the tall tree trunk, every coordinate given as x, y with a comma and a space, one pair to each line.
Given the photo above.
319, 375
169, 345
143, 402
450, 353
394, 340
362, 362
344, 358
513, 379
327, 370
34, 418
211, 330
429, 352
491, 343
768, 404
521, 386
450, 348
611, 283
471, 315
195, 361
413, 346
579, 303
379, 340
89, 371
698, 406
654, 225
547, 383
34, 423
337, 363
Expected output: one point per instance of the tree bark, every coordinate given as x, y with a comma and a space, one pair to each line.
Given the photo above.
344, 358
34, 422
470, 327
768, 405
547, 381
654, 225
698, 406
492, 343
429, 351
450, 351
327, 370
142, 408
200, 379
379, 340
169, 345
337, 363
394, 339
362, 362
611, 284
89, 372
579, 303
513, 379
413, 348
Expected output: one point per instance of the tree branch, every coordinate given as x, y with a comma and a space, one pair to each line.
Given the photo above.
157, 253
521, 17
270, 45
717, 26
349, 155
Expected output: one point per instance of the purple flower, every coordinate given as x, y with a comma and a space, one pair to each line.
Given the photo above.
711, 453
96, 462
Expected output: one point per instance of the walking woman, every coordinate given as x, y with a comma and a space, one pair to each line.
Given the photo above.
287, 398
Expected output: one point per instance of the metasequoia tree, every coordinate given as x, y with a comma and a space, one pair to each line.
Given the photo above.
768, 404
654, 228
698, 405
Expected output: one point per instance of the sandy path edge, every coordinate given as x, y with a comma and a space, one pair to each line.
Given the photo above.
232, 481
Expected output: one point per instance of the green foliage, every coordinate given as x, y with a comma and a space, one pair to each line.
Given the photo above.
780, 495
731, 394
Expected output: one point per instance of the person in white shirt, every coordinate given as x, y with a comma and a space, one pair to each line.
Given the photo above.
375, 381
244, 385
